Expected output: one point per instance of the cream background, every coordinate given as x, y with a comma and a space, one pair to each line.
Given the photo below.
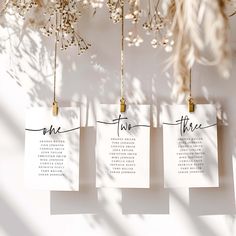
93, 78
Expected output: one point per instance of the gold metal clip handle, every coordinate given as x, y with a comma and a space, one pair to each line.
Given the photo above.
191, 105
122, 105
55, 108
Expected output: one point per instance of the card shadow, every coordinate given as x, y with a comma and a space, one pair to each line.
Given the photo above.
84, 201
208, 201
154, 200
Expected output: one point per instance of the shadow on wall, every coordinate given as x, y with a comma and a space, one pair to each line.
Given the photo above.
215, 201
91, 79
154, 200
134, 201
208, 201
85, 201
11, 222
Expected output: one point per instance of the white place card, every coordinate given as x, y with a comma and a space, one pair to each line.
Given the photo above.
123, 147
52, 149
190, 146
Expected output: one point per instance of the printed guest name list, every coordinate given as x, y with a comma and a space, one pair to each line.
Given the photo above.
52, 149
190, 146
123, 147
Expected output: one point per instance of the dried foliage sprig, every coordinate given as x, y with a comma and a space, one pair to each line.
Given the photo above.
24, 6
62, 17
189, 29
59, 16
115, 9
198, 27
133, 38
158, 25
134, 14
134, 11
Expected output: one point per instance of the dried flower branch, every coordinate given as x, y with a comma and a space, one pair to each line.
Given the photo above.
115, 9
133, 38
24, 6
67, 13
190, 29
158, 25
134, 11
60, 16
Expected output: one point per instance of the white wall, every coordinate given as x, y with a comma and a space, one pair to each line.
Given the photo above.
93, 78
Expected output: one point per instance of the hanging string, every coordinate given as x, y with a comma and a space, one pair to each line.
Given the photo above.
122, 52
190, 83
122, 100
55, 103
55, 69
191, 105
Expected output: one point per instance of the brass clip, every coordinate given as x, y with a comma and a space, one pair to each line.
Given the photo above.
122, 105
55, 108
191, 105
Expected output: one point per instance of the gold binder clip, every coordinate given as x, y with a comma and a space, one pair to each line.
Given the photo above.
191, 105
55, 108
122, 105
